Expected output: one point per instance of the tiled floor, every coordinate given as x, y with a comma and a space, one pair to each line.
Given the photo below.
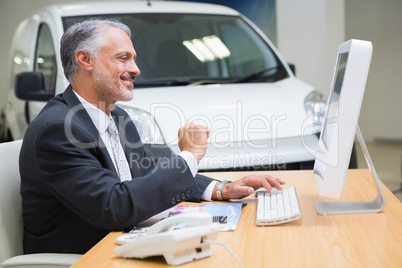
387, 159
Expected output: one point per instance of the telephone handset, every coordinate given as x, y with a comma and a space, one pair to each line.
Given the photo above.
189, 220
179, 239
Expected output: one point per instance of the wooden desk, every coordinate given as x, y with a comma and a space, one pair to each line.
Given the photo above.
362, 240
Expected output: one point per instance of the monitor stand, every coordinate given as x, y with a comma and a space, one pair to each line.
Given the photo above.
373, 206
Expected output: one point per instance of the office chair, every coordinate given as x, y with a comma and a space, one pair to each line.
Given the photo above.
11, 225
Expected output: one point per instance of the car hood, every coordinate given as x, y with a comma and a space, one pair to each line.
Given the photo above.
233, 112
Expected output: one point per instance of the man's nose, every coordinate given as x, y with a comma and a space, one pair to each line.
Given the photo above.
133, 68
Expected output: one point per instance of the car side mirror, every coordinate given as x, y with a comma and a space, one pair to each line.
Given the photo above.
30, 86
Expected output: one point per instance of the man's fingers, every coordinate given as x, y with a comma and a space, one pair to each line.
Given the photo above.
248, 184
270, 182
266, 181
275, 182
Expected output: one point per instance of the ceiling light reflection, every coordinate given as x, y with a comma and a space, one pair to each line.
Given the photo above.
208, 48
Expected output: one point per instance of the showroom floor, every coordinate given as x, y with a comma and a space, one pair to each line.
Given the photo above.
387, 159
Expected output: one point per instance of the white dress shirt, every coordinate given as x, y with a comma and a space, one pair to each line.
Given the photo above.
101, 121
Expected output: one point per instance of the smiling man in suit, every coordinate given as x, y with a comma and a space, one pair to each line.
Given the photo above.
83, 168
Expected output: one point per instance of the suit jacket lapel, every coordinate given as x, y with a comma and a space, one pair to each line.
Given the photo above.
81, 114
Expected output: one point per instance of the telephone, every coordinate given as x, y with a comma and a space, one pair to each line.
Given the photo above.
179, 239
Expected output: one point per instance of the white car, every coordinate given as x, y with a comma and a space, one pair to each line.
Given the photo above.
199, 62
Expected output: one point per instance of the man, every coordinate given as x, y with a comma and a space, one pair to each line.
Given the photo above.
78, 181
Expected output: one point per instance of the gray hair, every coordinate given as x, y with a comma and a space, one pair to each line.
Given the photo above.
85, 36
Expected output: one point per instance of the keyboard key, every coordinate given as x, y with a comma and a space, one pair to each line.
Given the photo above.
294, 202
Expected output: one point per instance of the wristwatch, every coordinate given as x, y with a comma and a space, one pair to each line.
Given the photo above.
219, 189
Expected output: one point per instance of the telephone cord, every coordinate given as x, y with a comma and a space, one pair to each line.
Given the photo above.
227, 248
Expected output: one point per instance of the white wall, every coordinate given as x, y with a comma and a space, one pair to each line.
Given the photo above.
381, 23
309, 32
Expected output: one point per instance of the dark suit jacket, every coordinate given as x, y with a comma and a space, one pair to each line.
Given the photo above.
71, 194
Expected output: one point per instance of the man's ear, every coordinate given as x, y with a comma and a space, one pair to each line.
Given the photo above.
84, 60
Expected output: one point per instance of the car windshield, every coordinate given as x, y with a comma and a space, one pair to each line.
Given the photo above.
182, 49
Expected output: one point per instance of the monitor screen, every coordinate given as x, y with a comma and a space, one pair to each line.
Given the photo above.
334, 98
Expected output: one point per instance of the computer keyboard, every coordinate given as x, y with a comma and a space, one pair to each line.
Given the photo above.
280, 207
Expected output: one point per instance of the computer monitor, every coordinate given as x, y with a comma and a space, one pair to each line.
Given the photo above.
340, 126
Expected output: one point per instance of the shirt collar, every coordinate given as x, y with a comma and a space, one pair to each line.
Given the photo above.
98, 117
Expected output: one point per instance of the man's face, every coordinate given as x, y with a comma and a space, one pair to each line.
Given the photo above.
115, 68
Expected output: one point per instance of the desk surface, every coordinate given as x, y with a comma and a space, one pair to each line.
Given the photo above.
361, 240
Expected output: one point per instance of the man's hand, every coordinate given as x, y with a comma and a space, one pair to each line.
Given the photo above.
193, 138
247, 185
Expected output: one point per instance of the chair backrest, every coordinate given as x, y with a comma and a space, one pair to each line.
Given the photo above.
11, 226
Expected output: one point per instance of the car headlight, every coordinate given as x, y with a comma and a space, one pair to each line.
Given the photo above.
146, 125
315, 103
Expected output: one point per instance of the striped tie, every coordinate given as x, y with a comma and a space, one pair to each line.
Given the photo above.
121, 161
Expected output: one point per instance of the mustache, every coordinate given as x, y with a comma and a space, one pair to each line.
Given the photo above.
128, 76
